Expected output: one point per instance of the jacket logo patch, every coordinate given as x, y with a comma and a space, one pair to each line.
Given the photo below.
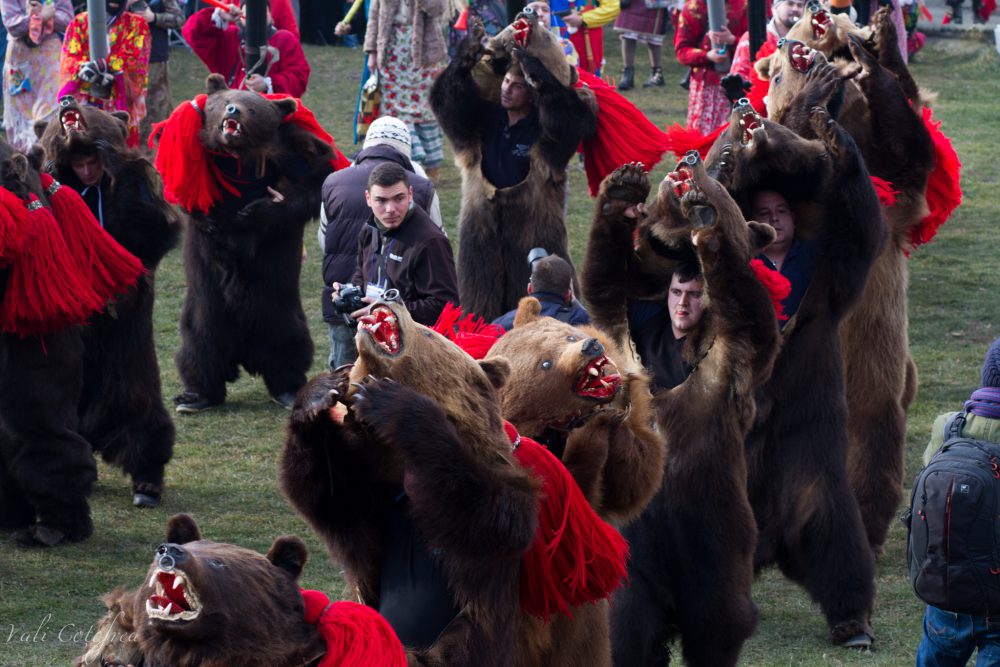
395, 257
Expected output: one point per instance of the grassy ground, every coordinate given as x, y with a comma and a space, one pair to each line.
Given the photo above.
223, 470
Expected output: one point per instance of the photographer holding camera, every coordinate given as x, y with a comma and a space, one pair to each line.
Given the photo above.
399, 248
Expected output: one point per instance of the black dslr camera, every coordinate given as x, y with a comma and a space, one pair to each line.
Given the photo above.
348, 301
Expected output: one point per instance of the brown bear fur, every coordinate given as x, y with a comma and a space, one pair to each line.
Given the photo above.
498, 226
807, 516
243, 258
691, 566
245, 608
880, 373
608, 444
429, 425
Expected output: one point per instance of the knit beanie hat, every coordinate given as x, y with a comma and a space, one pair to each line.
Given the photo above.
388, 131
991, 366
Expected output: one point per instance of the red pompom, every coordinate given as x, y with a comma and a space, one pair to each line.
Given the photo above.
944, 193
182, 161
624, 134
355, 635
777, 286
758, 86
470, 332
680, 139
108, 267
577, 557
304, 118
46, 290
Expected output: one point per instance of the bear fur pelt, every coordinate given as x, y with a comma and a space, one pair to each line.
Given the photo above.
691, 568
211, 604
122, 412
572, 390
243, 254
807, 516
881, 111
417, 474
498, 226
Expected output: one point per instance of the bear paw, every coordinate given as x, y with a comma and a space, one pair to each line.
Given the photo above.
470, 50
822, 82
382, 404
535, 72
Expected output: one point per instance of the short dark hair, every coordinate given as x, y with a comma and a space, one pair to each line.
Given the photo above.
687, 271
386, 175
551, 274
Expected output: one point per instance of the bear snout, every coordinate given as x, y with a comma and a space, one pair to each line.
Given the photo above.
170, 555
592, 347
232, 110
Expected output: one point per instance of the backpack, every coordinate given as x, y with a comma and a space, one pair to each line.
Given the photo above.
953, 549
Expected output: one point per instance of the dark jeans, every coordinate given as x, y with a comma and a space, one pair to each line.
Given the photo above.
950, 638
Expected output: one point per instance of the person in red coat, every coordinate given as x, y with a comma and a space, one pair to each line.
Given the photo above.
217, 37
708, 107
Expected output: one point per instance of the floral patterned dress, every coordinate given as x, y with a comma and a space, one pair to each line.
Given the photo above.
129, 42
30, 79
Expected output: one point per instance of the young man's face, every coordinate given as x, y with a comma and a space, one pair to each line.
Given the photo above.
772, 207
390, 204
514, 93
89, 169
789, 11
542, 11
684, 301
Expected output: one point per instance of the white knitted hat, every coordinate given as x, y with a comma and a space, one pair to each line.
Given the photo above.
388, 131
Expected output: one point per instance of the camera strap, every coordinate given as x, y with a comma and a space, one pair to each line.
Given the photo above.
380, 271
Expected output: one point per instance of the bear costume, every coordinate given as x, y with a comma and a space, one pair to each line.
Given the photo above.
445, 519
121, 410
566, 393
210, 604
691, 568
54, 275
807, 515
881, 110
499, 225
248, 169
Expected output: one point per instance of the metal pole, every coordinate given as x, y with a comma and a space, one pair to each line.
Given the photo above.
716, 22
97, 23
256, 36
757, 25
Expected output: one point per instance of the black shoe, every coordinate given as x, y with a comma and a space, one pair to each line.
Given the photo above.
285, 399
655, 79
627, 82
42, 535
146, 494
190, 403
685, 83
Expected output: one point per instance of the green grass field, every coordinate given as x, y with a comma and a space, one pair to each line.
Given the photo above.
223, 471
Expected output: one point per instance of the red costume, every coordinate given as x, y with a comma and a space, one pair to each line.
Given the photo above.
708, 107
221, 49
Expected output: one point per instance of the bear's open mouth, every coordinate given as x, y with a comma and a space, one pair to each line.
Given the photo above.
383, 326
801, 56
72, 120
749, 120
599, 380
820, 21
173, 599
231, 128
522, 31
681, 180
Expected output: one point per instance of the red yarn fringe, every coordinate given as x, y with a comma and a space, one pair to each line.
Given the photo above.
13, 234
355, 635
944, 192
577, 557
886, 193
304, 118
624, 134
45, 289
777, 286
470, 332
681, 139
182, 161
109, 268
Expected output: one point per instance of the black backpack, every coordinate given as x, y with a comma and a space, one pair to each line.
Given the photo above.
953, 549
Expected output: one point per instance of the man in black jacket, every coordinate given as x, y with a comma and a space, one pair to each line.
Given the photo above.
401, 248
345, 213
